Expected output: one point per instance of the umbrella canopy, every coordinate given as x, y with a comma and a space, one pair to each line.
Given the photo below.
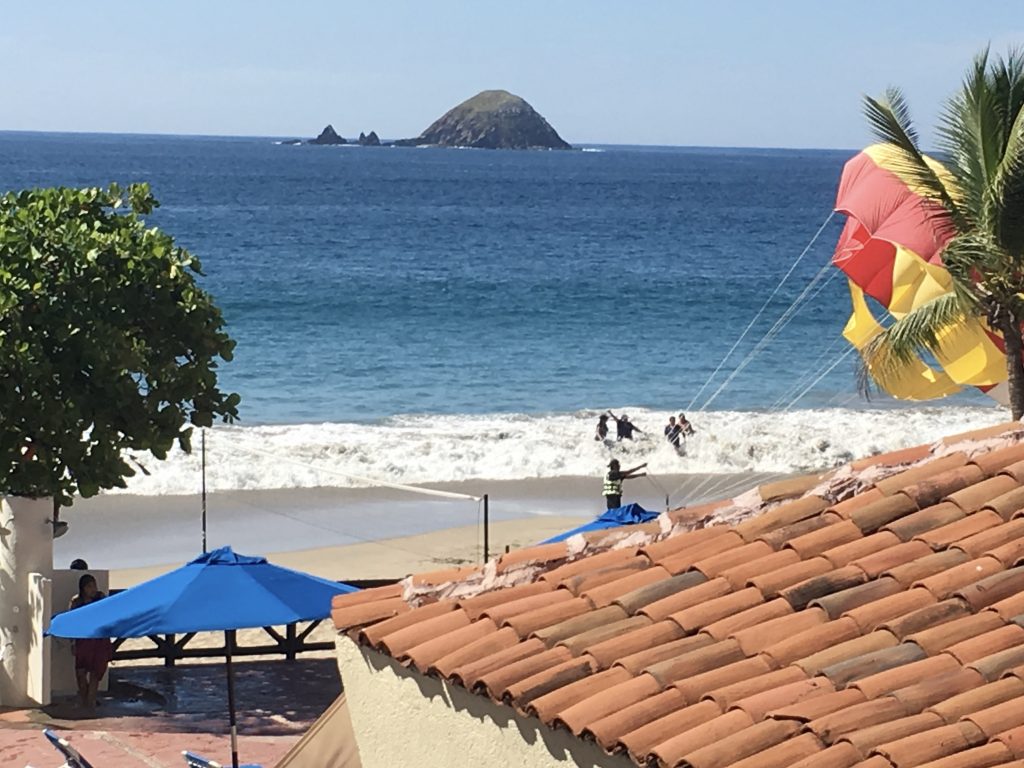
630, 514
220, 590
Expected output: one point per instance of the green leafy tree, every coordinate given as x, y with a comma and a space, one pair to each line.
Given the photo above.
108, 347
980, 138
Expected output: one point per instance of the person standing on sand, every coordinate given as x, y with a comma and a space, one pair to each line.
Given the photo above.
92, 655
624, 428
613, 482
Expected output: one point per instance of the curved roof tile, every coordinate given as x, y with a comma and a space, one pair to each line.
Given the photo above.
872, 617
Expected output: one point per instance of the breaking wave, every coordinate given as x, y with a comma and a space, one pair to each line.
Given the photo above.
433, 449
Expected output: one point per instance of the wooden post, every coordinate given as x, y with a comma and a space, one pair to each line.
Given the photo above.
229, 644
487, 531
202, 443
291, 642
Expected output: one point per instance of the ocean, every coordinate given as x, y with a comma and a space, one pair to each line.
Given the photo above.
417, 315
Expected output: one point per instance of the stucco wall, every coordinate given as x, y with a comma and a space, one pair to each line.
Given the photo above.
402, 718
26, 567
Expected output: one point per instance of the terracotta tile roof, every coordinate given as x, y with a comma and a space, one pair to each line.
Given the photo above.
872, 616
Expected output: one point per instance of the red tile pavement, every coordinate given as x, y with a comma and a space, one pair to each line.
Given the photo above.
127, 749
152, 713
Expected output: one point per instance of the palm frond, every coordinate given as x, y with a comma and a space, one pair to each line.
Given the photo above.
890, 122
1011, 164
978, 266
959, 141
900, 110
1006, 192
972, 255
908, 338
1008, 78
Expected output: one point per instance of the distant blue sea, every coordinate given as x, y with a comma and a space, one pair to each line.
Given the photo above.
361, 283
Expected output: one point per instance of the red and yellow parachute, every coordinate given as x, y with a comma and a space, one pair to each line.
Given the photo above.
890, 250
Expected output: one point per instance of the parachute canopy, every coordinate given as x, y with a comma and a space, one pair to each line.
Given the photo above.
891, 251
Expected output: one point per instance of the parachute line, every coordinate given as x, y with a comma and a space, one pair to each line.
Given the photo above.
784, 319
758, 315
823, 374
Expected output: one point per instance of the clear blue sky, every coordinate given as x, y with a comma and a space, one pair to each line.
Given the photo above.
750, 73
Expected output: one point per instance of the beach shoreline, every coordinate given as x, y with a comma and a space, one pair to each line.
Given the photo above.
350, 533
393, 558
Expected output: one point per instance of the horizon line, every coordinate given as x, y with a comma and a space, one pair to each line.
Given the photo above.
290, 137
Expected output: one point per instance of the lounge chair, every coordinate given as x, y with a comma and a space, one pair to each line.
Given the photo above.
193, 760
71, 757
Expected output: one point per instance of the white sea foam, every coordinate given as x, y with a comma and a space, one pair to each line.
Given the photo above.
430, 449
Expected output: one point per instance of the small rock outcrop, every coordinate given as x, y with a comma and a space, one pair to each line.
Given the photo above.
328, 136
371, 140
291, 142
491, 120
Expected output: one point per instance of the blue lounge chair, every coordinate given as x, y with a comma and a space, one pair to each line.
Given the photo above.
71, 757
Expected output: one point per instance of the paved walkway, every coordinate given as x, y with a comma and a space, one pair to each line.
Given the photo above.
152, 713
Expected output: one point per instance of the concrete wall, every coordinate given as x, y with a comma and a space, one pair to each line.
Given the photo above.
26, 568
402, 718
62, 660
37, 684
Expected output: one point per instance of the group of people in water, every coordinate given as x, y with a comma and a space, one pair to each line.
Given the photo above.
676, 431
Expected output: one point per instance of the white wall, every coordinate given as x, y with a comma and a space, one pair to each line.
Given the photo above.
26, 568
402, 718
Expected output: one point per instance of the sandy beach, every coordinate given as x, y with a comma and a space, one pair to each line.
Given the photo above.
346, 533
397, 557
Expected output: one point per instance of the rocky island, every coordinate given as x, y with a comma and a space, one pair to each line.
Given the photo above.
491, 120
328, 136
371, 140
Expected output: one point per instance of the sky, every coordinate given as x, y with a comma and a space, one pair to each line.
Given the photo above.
740, 73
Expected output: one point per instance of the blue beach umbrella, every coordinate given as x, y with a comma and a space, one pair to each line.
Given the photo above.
218, 591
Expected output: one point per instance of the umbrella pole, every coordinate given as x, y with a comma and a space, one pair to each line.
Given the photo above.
229, 642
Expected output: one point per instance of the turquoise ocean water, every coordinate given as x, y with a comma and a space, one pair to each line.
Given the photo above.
417, 313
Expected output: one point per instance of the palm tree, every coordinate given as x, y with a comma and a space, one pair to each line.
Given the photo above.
980, 139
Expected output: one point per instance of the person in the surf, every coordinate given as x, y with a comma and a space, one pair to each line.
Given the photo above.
685, 427
613, 482
602, 427
673, 432
624, 428
685, 430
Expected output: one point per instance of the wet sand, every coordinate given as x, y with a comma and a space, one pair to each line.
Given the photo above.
118, 532
395, 558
